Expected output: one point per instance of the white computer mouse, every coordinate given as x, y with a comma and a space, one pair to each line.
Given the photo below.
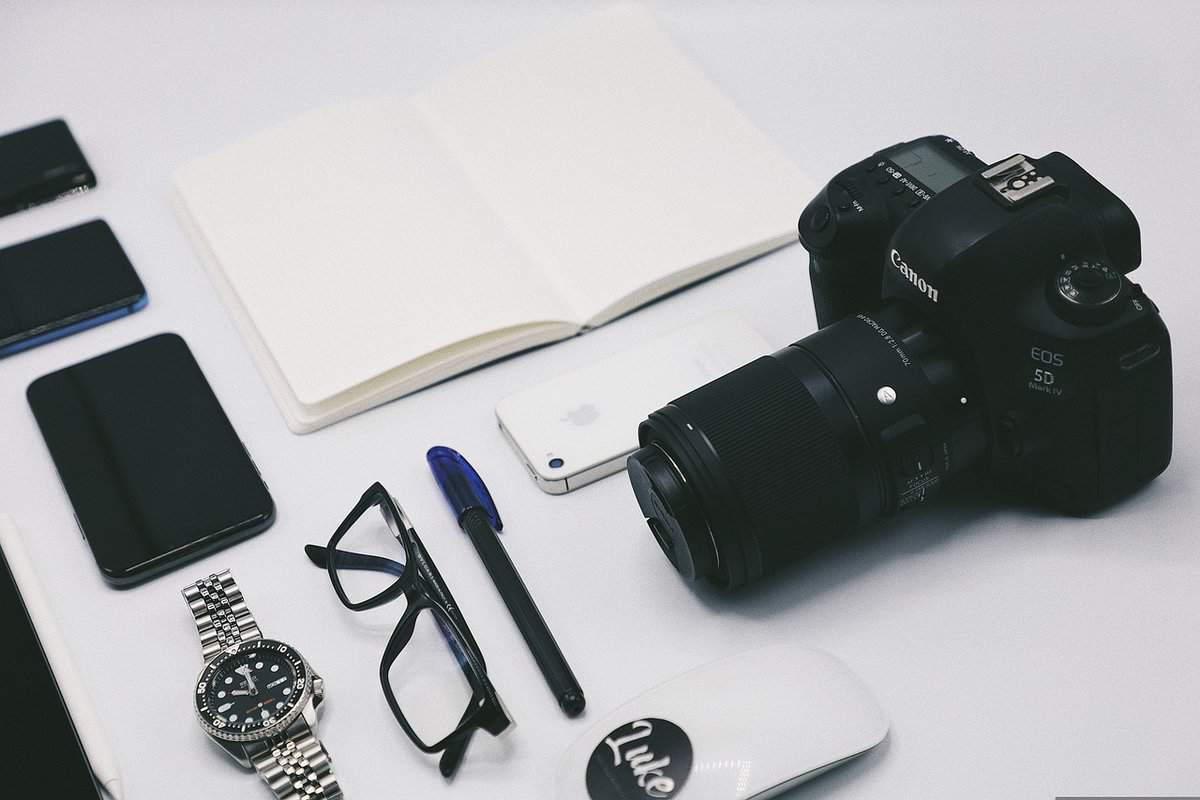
746, 727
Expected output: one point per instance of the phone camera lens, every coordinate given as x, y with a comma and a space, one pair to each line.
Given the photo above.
555, 463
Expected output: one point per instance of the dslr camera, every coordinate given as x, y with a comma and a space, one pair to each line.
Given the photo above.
972, 317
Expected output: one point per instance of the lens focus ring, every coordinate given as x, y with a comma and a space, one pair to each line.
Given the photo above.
780, 457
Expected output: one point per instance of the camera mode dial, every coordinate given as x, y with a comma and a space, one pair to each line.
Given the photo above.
1088, 291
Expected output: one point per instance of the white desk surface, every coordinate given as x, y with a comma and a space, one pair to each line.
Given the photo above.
1018, 653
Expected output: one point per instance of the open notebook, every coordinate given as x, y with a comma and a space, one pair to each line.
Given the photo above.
370, 249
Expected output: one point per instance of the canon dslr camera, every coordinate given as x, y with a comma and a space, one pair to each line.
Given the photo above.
971, 316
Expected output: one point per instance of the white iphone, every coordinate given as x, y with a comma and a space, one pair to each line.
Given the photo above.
581, 426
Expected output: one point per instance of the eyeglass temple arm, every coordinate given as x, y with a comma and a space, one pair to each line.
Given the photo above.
443, 593
452, 756
345, 559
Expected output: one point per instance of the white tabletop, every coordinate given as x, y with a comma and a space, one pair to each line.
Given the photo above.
1018, 653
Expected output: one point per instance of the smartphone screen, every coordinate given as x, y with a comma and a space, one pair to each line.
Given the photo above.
39, 722
62, 283
154, 469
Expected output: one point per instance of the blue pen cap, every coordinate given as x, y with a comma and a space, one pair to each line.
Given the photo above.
461, 484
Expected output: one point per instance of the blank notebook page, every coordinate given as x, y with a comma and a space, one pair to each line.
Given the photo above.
612, 159
371, 254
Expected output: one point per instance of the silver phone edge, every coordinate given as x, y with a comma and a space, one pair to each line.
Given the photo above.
568, 482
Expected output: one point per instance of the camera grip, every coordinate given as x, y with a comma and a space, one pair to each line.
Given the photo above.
842, 288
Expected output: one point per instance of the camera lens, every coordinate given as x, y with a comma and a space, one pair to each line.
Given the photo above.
779, 457
672, 513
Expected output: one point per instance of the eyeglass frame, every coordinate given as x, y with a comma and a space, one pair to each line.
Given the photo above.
423, 588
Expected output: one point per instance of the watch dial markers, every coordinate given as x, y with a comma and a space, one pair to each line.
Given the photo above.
256, 688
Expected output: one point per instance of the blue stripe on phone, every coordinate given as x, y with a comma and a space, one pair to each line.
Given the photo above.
50, 336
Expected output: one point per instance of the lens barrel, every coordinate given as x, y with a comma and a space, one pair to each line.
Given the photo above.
787, 453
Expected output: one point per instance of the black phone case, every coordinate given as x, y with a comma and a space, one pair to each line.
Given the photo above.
154, 470
40, 164
62, 281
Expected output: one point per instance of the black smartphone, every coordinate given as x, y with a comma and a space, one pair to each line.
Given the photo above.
63, 283
154, 469
28, 691
39, 164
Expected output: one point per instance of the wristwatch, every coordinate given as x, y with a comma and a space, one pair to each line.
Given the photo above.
258, 698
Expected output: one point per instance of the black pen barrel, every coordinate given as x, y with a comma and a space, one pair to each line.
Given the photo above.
524, 612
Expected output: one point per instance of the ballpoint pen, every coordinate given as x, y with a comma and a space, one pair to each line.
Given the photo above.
477, 515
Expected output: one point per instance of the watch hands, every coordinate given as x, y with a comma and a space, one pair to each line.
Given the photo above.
244, 671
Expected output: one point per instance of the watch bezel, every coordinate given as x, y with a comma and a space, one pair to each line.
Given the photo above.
275, 728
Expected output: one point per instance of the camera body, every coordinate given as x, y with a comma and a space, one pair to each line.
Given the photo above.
971, 317
1020, 269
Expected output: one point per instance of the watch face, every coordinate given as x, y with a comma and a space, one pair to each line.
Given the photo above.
251, 689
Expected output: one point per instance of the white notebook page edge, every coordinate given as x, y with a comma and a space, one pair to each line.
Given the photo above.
428, 370
301, 418
268, 368
683, 278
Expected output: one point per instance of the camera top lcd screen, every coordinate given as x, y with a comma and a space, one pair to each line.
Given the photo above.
928, 166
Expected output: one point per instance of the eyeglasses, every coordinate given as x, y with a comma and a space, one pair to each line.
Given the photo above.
432, 672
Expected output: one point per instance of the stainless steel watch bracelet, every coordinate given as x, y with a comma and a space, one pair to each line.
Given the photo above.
297, 767
221, 614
